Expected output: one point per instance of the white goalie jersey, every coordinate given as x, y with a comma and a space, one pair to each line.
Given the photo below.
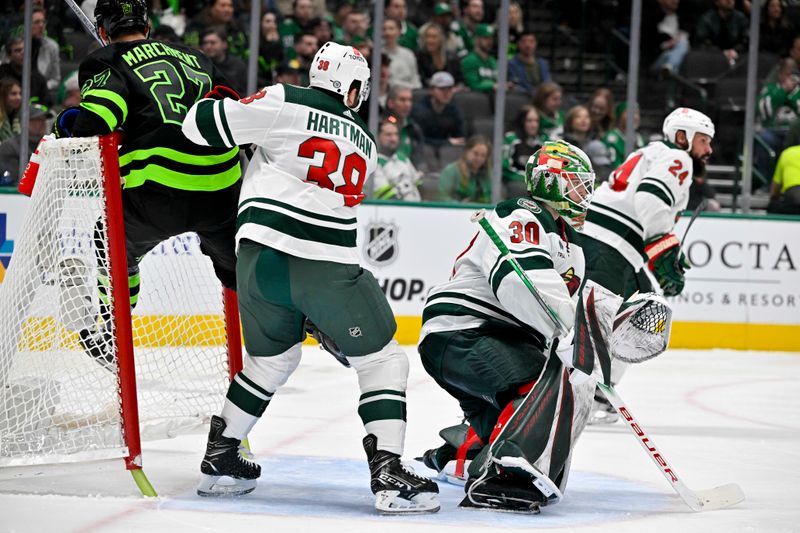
642, 198
307, 174
484, 287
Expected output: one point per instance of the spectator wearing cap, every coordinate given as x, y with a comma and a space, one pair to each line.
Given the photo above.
11, 148
784, 192
615, 139
214, 44
433, 56
479, 68
403, 67
443, 17
525, 70
15, 48
397, 10
288, 72
441, 121
398, 105
396, 178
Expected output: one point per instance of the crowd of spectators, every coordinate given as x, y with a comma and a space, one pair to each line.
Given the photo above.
438, 57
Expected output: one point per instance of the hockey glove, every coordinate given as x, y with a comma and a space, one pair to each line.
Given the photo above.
667, 263
221, 91
65, 122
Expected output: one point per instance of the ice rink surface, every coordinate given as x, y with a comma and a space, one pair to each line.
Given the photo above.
718, 416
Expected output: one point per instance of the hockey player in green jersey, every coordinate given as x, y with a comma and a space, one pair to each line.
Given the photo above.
144, 88
487, 341
297, 259
632, 217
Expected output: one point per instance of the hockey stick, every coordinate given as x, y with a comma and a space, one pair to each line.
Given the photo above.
704, 500
87, 24
697, 210
480, 218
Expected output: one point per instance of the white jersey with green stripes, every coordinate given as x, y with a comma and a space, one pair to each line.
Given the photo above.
641, 199
312, 158
483, 286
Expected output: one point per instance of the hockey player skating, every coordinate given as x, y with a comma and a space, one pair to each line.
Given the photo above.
297, 258
487, 341
171, 185
632, 217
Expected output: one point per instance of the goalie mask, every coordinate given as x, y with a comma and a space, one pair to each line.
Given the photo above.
336, 68
688, 120
117, 16
560, 175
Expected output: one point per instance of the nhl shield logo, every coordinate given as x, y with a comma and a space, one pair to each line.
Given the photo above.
381, 248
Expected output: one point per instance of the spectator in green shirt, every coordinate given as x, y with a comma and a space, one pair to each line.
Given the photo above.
397, 10
468, 179
518, 145
479, 68
615, 139
298, 22
547, 100
778, 106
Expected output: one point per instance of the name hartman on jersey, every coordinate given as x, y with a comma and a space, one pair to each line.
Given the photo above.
341, 128
142, 52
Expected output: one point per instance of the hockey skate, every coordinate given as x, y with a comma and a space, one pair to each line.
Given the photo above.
99, 345
396, 487
228, 468
452, 458
501, 491
602, 411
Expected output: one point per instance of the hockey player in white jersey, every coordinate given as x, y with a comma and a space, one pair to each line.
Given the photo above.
297, 259
487, 341
631, 220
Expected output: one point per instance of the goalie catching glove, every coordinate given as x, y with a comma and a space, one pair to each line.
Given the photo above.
667, 263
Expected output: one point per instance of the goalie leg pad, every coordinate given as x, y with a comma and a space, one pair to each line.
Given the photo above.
642, 328
382, 378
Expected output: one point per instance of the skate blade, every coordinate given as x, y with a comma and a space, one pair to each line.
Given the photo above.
486, 502
224, 486
448, 474
391, 502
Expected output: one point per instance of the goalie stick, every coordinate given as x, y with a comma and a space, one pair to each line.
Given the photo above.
697, 210
703, 500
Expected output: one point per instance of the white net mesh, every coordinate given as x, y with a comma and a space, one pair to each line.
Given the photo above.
57, 403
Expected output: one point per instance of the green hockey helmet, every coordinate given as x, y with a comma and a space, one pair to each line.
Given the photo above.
118, 16
560, 175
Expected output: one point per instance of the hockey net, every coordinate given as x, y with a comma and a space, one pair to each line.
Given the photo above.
58, 404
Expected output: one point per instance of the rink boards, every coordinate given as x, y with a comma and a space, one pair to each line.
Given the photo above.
743, 292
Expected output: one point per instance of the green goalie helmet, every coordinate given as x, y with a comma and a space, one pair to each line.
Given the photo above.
560, 175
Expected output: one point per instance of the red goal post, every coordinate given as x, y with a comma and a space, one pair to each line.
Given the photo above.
58, 404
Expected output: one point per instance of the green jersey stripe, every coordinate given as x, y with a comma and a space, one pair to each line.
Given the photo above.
197, 167
105, 94
536, 262
655, 191
620, 214
298, 210
382, 391
201, 158
103, 112
224, 120
254, 385
615, 226
181, 180
476, 301
207, 124
382, 410
245, 400
661, 185
288, 225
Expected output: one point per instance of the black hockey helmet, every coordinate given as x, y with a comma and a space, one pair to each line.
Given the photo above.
117, 16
